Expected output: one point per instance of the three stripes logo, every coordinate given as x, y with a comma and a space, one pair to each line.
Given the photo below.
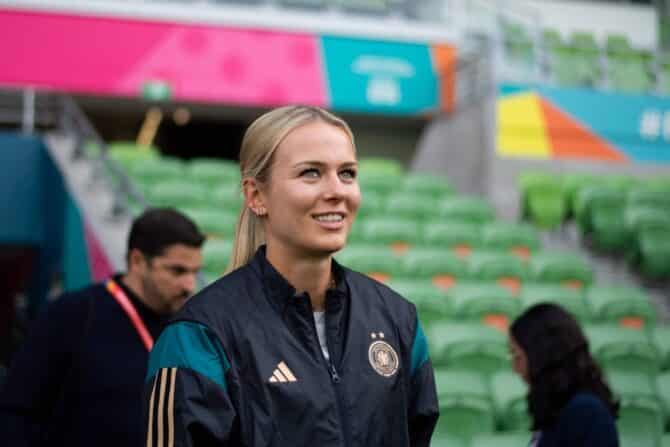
282, 374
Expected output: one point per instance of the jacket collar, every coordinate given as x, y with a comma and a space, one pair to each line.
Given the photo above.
281, 292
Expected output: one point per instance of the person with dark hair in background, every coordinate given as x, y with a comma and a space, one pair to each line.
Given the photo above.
569, 401
78, 378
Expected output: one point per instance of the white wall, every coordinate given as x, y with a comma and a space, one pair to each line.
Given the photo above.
639, 23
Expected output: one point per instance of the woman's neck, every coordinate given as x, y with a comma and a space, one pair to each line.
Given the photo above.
306, 274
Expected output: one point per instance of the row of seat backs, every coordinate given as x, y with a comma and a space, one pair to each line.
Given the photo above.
482, 346
488, 301
475, 407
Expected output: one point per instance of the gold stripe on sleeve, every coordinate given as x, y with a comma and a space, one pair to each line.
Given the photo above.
170, 411
150, 430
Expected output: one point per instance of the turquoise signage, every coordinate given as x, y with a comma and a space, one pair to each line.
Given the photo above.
380, 77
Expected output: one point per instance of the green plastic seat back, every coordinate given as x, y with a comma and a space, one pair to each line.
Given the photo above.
373, 204
623, 349
427, 185
213, 172
380, 166
468, 347
216, 254
661, 339
465, 407
389, 231
178, 193
509, 401
373, 260
213, 222
454, 235
640, 422
468, 209
433, 264
621, 304
497, 266
564, 268
663, 387
431, 302
482, 302
509, 236
571, 299
411, 206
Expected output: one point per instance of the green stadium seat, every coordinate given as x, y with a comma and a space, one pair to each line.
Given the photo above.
379, 183
405, 205
376, 7
575, 67
519, 47
649, 197
623, 349
157, 169
609, 231
573, 182
427, 185
216, 254
515, 439
665, 440
640, 422
567, 269
629, 74
179, 194
373, 260
228, 197
373, 204
519, 239
458, 236
489, 303
645, 217
542, 200
661, 339
214, 172
509, 401
652, 253
435, 266
623, 305
213, 222
508, 270
465, 407
431, 302
397, 234
304, 4
571, 299
468, 347
551, 39
467, 209
447, 440
127, 154
596, 197
663, 387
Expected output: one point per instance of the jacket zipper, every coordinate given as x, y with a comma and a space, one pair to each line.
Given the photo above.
336, 381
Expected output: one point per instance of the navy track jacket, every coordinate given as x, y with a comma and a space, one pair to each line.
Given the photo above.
241, 365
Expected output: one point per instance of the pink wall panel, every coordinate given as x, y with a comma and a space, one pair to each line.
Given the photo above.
201, 63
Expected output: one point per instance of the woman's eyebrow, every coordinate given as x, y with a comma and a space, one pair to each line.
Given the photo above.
346, 164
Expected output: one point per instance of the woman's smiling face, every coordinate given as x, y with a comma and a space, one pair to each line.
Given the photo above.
312, 194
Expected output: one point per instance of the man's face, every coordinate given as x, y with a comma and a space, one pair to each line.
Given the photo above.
169, 279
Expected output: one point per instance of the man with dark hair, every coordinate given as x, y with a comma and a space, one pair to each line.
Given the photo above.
78, 379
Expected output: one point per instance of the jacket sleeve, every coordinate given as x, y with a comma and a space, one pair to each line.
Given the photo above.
424, 409
187, 397
38, 372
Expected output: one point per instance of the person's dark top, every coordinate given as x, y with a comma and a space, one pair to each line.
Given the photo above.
584, 421
77, 384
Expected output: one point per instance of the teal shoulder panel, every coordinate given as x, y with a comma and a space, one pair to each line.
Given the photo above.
189, 345
419, 348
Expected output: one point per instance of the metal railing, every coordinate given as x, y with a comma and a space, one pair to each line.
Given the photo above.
34, 112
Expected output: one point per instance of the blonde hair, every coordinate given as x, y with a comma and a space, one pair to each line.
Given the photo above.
259, 144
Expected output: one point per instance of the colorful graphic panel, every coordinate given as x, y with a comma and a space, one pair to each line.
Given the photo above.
380, 77
557, 123
121, 57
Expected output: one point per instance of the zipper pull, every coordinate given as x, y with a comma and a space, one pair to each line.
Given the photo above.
333, 373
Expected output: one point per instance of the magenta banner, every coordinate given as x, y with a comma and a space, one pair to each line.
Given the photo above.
121, 57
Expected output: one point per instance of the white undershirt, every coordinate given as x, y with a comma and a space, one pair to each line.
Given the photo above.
320, 323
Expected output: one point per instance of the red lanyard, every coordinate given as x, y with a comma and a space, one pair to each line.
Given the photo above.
121, 298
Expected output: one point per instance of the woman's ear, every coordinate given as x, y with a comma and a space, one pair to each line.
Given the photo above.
253, 197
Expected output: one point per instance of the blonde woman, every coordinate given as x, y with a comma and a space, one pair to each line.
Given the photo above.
290, 348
